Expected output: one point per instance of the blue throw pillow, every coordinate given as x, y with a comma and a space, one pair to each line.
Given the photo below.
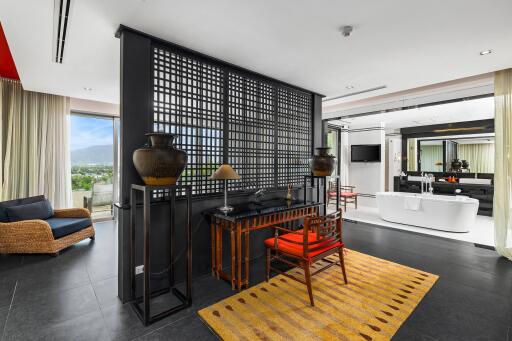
37, 210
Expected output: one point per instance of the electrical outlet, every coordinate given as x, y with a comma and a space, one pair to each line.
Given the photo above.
139, 269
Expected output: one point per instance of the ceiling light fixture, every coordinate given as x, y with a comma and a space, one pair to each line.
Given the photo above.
86, 88
349, 87
483, 53
346, 31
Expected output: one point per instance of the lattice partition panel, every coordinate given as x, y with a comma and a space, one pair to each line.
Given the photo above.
294, 136
188, 102
251, 132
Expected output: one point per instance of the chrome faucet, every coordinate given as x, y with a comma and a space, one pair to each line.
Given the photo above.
426, 183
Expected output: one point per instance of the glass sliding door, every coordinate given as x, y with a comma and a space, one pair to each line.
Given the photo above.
93, 146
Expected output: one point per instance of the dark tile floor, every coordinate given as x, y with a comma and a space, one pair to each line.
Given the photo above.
73, 296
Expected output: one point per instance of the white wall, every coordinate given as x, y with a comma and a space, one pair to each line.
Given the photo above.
93, 107
368, 177
393, 159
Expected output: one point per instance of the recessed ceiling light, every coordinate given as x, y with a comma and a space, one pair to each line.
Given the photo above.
349, 87
86, 88
483, 53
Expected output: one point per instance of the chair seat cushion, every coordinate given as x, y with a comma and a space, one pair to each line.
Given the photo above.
296, 249
348, 194
65, 226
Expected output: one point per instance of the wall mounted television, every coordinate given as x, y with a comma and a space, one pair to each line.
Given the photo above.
365, 153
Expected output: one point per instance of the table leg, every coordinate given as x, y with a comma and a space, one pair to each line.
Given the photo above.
239, 255
213, 232
219, 249
233, 258
246, 282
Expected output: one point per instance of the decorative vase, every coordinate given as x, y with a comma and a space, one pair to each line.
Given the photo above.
322, 164
456, 164
158, 162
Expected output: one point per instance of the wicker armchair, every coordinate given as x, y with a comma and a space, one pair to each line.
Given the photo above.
35, 236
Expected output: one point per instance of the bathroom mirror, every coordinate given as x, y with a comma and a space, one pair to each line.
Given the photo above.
466, 153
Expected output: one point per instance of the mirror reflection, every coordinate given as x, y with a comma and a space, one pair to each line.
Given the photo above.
470, 154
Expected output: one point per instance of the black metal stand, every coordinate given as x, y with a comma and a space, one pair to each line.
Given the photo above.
185, 299
321, 180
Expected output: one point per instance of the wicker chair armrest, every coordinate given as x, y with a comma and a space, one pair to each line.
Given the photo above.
71, 213
34, 230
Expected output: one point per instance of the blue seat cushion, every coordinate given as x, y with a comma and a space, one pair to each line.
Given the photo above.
5, 204
65, 226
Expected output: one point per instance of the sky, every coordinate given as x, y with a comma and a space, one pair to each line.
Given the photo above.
89, 131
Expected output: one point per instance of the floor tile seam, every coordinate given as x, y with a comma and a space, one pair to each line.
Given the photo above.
417, 233
8, 312
161, 327
44, 292
422, 254
101, 310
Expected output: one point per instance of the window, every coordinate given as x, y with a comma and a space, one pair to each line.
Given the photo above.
220, 115
93, 163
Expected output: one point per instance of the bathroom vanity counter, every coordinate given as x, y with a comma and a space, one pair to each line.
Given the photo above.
484, 193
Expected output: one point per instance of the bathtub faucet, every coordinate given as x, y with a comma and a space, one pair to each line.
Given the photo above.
426, 183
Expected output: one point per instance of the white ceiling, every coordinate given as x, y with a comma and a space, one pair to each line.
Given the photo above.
477, 109
402, 44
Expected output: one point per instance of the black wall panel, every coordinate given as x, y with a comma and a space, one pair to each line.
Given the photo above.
221, 113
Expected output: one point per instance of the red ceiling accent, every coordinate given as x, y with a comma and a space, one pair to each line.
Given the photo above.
7, 67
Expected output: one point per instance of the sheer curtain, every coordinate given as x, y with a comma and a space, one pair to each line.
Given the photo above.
412, 155
503, 162
480, 156
34, 136
345, 156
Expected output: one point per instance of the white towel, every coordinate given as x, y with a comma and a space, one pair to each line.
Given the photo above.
412, 203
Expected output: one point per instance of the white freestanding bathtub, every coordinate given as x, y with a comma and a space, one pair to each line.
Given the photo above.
439, 212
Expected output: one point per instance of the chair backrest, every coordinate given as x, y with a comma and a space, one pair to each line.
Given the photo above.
327, 230
102, 194
16, 202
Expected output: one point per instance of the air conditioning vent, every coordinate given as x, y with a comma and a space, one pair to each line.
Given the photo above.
61, 15
354, 93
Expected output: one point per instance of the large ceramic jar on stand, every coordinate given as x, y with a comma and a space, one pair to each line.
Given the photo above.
159, 163
322, 164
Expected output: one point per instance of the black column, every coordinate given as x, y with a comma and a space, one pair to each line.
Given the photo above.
135, 114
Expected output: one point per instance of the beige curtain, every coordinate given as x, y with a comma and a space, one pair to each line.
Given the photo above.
503, 163
431, 158
412, 155
35, 150
480, 156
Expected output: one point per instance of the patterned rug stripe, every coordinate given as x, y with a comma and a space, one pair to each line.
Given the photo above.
377, 300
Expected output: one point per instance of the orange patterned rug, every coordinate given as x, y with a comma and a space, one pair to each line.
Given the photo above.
378, 299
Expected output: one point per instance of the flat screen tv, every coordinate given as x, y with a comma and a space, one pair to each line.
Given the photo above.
365, 153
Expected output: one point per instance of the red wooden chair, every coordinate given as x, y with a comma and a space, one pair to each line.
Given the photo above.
320, 238
347, 195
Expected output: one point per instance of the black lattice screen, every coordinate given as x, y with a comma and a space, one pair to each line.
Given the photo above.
189, 100
251, 132
294, 136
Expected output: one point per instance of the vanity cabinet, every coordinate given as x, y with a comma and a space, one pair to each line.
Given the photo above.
484, 193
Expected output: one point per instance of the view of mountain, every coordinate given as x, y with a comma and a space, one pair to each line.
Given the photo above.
93, 155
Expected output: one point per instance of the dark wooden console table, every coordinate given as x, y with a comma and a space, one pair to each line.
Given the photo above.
185, 299
240, 222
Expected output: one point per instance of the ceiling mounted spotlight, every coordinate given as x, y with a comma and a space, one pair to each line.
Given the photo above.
346, 31
349, 87
483, 53
86, 88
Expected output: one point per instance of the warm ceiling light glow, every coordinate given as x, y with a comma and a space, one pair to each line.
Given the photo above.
483, 53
